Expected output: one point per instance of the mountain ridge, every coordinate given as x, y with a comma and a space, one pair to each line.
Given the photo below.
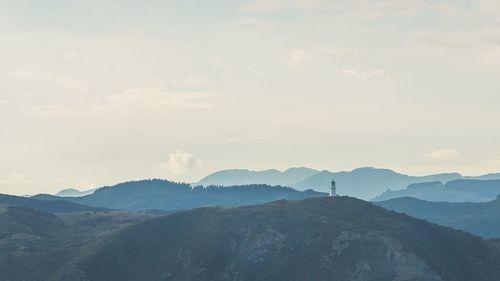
72, 192
365, 182
50, 206
170, 196
479, 218
245, 176
460, 190
344, 239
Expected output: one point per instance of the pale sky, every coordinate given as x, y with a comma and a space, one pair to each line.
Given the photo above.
99, 92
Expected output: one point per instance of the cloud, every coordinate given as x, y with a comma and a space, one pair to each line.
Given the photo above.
343, 51
70, 57
490, 8
314, 56
277, 5
151, 100
298, 58
355, 73
342, 9
242, 139
196, 80
44, 95
222, 64
130, 101
69, 84
180, 162
15, 179
51, 110
442, 154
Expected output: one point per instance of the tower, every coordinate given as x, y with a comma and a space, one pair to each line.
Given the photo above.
333, 189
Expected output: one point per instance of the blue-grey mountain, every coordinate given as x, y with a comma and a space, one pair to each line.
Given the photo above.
365, 183
270, 177
50, 206
453, 191
71, 192
478, 218
169, 196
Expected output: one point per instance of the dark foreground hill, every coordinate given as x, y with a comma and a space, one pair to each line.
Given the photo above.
314, 239
34, 245
54, 206
169, 196
478, 218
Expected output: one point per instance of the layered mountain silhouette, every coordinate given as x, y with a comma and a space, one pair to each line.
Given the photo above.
51, 206
314, 239
322, 238
270, 177
364, 183
453, 191
478, 218
492, 176
71, 192
169, 196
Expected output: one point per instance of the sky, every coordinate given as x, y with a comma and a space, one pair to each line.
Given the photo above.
94, 92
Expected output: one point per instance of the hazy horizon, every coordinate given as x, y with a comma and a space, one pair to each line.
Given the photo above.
98, 92
56, 189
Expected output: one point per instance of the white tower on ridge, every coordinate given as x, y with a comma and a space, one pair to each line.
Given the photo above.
333, 189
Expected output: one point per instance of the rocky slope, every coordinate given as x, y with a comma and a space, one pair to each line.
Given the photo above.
314, 239
35, 245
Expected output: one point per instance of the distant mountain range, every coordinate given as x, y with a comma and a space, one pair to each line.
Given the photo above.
317, 239
160, 196
452, 191
270, 177
478, 218
364, 183
169, 196
71, 192
47, 206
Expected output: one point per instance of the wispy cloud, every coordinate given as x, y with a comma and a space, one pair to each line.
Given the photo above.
16, 179
152, 100
69, 84
276, 5
69, 57
51, 110
298, 58
339, 51
355, 73
242, 139
45, 95
360, 10
442, 154
318, 54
